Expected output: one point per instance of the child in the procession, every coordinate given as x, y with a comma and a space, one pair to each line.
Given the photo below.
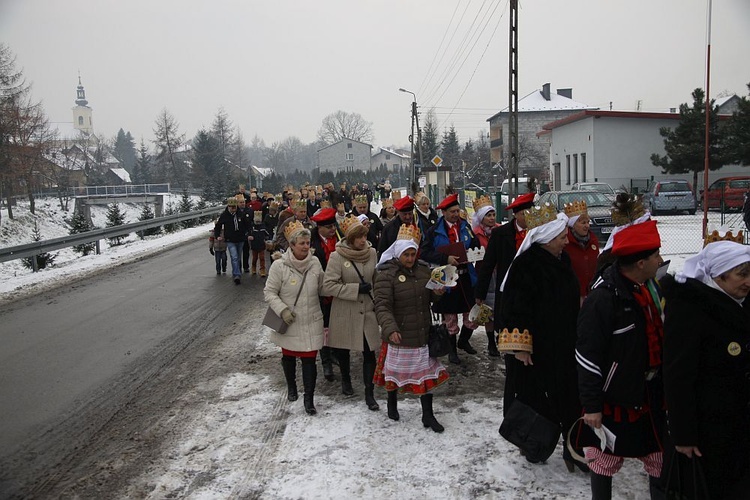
258, 244
218, 248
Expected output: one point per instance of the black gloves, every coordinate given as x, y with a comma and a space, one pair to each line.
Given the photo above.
364, 288
211, 250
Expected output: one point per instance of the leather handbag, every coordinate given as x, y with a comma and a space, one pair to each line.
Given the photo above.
438, 341
273, 320
534, 434
685, 478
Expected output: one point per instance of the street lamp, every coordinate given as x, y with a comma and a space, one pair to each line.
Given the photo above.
414, 118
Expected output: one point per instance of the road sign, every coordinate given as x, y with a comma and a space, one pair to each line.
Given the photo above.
437, 161
422, 181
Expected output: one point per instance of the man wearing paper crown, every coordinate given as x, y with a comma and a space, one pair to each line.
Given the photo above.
540, 295
404, 215
299, 208
323, 239
583, 245
619, 356
436, 249
362, 207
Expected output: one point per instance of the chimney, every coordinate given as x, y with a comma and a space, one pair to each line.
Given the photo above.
545, 92
565, 93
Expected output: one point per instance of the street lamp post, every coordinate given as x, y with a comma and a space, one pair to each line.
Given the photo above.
414, 118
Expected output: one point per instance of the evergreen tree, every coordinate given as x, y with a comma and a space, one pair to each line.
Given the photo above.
736, 134
429, 138
186, 206
80, 224
124, 150
169, 141
43, 259
148, 214
142, 168
451, 149
202, 205
170, 210
115, 217
685, 145
210, 170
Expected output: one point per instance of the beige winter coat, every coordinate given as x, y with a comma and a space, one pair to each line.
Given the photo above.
352, 314
282, 285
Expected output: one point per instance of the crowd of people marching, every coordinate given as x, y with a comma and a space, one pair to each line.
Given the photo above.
599, 343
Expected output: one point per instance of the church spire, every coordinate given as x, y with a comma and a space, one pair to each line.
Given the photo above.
81, 101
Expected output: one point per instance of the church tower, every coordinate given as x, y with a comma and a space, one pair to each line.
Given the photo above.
82, 119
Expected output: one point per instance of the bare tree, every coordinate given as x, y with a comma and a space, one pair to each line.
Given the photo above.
293, 149
168, 142
276, 159
221, 129
340, 125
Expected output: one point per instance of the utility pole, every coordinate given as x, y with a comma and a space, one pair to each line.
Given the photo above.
513, 101
411, 140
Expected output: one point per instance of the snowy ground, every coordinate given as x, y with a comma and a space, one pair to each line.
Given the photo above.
346, 451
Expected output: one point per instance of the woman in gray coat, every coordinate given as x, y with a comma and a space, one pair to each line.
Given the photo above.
297, 276
348, 279
402, 306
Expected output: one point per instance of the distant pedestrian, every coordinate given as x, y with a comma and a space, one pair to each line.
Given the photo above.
234, 230
219, 250
258, 240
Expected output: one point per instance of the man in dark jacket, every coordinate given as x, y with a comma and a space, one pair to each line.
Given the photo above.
404, 215
619, 356
247, 214
450, 229
235, 233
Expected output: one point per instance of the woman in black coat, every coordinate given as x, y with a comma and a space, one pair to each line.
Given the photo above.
540, 294
707, 365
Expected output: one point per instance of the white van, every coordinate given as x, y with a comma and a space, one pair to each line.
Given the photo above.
523, 187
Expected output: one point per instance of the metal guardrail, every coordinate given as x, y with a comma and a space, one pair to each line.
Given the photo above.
120, 190
37, 247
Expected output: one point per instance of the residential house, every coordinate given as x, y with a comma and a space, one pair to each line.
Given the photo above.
390, 159
345, 155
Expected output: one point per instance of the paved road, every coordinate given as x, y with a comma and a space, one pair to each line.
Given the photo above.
72, 356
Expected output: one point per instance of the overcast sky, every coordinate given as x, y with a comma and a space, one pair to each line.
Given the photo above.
278, 67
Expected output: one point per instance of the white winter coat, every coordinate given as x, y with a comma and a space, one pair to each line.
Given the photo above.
282, 285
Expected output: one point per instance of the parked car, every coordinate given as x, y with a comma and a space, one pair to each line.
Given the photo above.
523, 187
670, 195
599, 187
599, 206
728, 192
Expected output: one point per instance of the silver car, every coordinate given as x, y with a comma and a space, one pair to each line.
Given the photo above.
671, 195
598, 204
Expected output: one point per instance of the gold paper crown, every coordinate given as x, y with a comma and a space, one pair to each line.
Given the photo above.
387, 203
728, 236
293, 227
340, 206
361, 199
239, 198
576, 207
349, 223
481, 202
515, 341
299, 204
408, 232
396, 195
273, 204
536, 216
325, 204
626, 209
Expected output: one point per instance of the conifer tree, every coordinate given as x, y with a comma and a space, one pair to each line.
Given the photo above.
43, 259
170, 210
147, 214
186, 206
79, 224
115, 217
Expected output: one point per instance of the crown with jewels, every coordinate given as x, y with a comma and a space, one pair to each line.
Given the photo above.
715, 236
409, 232
299, 204
387, 203
361, 199
349, 223
626, 209
576, 207
292, 228
536, 216
481, 202
515, 341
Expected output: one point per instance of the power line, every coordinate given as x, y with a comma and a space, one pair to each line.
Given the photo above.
421, 85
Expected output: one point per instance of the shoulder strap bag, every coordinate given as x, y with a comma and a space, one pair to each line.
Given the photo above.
273, 320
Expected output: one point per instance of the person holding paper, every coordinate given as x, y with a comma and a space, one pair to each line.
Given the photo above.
619, 356
707, 362
446, 243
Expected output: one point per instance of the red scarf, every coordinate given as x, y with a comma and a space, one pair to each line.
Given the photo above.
654, 326
329, 246
520, 235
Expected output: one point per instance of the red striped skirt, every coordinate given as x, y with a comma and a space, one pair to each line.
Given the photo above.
408, 369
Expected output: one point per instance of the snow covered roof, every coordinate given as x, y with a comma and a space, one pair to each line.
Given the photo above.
121, 173
392, 152
71, 159
536, 102
261, 171
66, 131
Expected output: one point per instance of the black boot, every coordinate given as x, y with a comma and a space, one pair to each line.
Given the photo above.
392, 405
463, 340
346, 380
325, 359
453, 355
492, 345
368, 372
428, 418
289, 363
656, 488
601, 487
309, 375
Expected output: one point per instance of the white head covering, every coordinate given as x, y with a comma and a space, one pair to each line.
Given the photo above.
394, 251
617, 229
479, 214
362, 218
572, 220
716, 258
540, 234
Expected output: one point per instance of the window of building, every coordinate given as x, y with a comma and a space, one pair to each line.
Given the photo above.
583, 167
80, 121
567, 170
395, 166
349, 145
349, 156
575, 168
387, 157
